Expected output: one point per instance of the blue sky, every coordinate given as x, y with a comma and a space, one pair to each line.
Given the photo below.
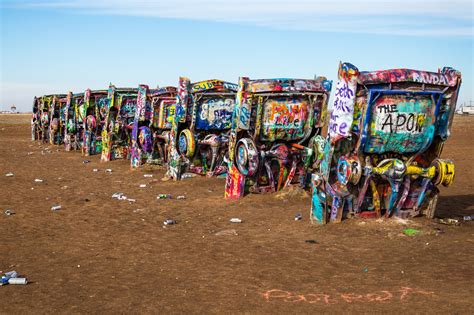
59, 46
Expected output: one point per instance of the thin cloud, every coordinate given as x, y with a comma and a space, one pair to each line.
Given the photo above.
395, 17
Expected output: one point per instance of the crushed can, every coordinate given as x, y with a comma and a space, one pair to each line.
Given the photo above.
169, 222
163, 196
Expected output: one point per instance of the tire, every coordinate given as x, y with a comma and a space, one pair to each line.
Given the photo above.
186, 143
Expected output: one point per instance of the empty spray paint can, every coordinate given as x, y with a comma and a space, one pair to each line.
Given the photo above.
17, 281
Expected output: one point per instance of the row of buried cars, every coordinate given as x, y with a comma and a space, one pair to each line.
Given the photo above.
376, 153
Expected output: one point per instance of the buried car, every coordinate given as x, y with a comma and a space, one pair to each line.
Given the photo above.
118, 123
94, 110
277, 126
73, 122
386, 134
200, 127
57, 119
43, 107
152, 125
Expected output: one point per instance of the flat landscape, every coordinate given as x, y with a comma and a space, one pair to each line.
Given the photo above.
102, 255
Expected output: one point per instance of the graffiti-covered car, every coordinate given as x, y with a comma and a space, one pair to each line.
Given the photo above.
43, 107
201, 127
386, 134
277, 124
57, 119
73, 122
35, 119
118, 123
94, 111
152, 125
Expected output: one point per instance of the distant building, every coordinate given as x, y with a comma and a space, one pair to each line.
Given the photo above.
467, 109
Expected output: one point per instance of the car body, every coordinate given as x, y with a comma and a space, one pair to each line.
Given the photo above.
118, 123
277, 122
73, 129
201, 126
57, 119
386, 134
93, 111
152, 125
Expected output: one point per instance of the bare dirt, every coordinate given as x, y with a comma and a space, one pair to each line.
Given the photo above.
102, 255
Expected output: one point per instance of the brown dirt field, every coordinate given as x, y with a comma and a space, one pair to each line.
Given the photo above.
101, 255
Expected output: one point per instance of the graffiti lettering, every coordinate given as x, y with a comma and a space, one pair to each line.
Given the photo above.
215, 113
343, 109
324, 298
401, 122
244, 116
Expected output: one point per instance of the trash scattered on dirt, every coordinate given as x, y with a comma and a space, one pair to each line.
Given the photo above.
117, 195
181, 197
449, 221
468, 217
164, 196
147, 175
56, 207
11, 277
86, 161
438, 231
226, 232
17, 281
235, 220
142, 185
365, 269
411, 232
169, 222
298, 217
95, 170
38, 180
188, 175
9, 212
108, 170
130, 200
9, 174
311, 241
64, 187
30, 153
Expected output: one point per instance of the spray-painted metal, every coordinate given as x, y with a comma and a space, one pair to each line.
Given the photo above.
386, 133
152, 125
57, 119
118, 123
202, 121
93, 112
275, 139
45, 122
73, 130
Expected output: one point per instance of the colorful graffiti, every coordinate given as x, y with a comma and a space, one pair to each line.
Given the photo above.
199, 134
381, 157
151, 126
375, 153
272, 141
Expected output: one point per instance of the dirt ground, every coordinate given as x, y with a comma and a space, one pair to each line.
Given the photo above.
102, 255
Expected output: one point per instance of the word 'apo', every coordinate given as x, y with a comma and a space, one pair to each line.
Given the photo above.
389, 119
